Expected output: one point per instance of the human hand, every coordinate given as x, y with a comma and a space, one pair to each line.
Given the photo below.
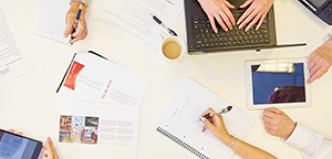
256, 12
320, 61
51, 151
277, 123
81, 28
216, 125
13, 131
219, 10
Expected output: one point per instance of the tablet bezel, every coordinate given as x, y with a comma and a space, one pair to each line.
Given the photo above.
249, 89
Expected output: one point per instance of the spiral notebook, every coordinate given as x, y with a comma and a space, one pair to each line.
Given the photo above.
180, 121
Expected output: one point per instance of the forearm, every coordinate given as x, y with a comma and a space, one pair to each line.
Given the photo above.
247, 151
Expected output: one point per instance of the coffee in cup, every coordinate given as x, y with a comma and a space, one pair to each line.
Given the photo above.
172, 48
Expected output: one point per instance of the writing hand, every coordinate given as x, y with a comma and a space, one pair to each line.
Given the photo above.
216, 125
81, 29
256, 12
219, 10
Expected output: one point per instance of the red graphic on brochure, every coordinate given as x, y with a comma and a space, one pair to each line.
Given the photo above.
75, 69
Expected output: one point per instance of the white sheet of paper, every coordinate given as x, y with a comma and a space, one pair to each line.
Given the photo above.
181, 119
132, 21
117, 131
51, 21
14, 61
102, 81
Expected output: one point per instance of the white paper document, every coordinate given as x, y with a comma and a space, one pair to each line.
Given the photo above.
51, 21
181, 123
14, 60
92, 78
95, 130
131, 20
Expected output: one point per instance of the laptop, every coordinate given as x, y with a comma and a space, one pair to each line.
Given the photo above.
202, 39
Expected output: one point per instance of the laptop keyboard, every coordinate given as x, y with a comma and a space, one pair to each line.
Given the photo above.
205, 37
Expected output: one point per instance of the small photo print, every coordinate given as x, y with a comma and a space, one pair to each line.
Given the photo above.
76, 132
77, 121
65, 128
89, 135
91, 121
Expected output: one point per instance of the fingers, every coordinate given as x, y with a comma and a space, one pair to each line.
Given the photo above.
243, 17
11, 130
221, 23
213, 24
80, 33
208, 111
70, 21
253, 22
246, 4
260, 21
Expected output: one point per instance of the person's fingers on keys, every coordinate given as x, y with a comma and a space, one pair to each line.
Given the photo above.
213, 24
221, 23
229, 13
260, 21
246, 13
248, 19
254, 21
225, 18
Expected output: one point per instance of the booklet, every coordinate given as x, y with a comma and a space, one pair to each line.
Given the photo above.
92, 78
98, 130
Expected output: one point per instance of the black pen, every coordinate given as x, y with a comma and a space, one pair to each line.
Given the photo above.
172, 32
223, 111
76, 21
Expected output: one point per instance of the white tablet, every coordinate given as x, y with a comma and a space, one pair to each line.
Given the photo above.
277, 83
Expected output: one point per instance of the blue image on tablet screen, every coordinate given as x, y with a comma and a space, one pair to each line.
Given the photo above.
278, 83
15, 147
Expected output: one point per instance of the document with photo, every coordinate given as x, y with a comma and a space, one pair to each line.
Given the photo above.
98, 130
14, 61
92, 78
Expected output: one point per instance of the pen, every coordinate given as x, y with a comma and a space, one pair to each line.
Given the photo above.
223, 111
172, 32
76, 21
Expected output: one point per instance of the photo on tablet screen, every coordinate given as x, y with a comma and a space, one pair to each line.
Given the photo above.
278, 83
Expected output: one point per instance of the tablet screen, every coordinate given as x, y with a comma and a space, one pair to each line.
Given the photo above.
278, 83
13, 146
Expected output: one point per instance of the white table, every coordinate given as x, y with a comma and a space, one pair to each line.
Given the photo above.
28, 103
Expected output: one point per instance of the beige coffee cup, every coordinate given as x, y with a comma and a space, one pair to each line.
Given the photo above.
172, 48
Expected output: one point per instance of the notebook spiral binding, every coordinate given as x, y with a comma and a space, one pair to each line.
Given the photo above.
183, 144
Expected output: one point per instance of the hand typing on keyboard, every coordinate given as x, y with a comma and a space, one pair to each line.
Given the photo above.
255, 13
219, 10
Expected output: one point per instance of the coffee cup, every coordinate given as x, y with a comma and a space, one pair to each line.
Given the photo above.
172, 48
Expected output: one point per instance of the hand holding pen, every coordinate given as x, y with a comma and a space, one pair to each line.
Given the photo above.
215, 124
75, 22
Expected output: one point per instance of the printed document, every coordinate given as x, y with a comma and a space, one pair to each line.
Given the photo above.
95, 130
92, 78
51, 21
131, 20
14, 60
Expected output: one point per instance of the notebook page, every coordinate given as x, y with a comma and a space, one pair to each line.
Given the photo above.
181, 119
51, 21
14, 60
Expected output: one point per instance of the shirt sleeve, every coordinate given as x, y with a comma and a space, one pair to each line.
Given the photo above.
311, 144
